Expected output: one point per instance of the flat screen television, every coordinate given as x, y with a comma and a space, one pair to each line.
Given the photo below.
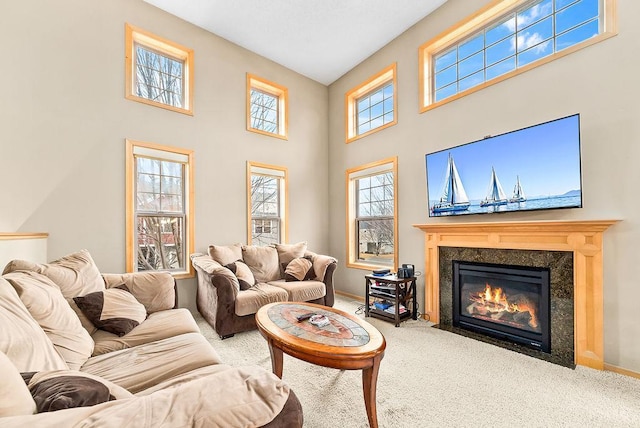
534, 168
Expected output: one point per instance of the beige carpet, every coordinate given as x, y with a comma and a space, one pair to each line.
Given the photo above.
433, 378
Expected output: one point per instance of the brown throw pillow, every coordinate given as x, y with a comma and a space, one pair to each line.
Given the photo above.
66, 392
115, 310
243, 273
299, 269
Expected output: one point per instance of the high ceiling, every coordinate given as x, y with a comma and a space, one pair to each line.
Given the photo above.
321, 39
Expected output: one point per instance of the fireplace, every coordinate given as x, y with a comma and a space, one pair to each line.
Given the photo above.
506, 302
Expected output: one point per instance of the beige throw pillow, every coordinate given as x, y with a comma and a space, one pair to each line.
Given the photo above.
115, 310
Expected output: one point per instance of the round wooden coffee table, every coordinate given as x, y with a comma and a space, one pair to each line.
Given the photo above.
346, 343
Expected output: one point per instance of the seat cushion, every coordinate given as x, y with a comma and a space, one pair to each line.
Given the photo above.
301, 291
50, 309
249, 301
144, 366
21, 338
157, 326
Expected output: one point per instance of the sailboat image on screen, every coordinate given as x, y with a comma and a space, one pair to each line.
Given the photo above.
518, 192
454, 197
495, 194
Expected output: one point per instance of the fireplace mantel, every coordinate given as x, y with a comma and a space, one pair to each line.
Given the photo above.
582, 237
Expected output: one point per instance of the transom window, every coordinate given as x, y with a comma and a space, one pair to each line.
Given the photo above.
372, 105
267, 106
510, 37
158, 72
158, 208
375, 109
372, 237
267, 204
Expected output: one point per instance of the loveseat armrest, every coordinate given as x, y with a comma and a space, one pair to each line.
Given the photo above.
155, 290
324, 266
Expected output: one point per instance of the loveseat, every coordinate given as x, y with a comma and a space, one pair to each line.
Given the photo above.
235, 281
78, 348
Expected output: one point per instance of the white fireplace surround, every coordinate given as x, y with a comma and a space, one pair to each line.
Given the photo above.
582, 237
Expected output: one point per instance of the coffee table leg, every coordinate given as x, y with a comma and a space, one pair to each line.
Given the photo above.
276, 359
369, 381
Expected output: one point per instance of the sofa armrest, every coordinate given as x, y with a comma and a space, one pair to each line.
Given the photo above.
155, 290
324, 266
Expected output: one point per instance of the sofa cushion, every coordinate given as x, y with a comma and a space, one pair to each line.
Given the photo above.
263, 262
15, 398
302, 291
116, 391
21, 338
157, 326
50, 309
144, 366
155, 290
248, 302
288, 252
75, 274
299, 269
225, 254
67, 392
115, 310
243, 273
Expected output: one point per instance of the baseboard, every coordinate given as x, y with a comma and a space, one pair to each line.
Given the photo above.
350, 296
620, 370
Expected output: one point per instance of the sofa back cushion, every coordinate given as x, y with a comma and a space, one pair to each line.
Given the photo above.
75, 274
155, 290
225, 254
50, 309
21, 338
288, 252
263, 262
15, 398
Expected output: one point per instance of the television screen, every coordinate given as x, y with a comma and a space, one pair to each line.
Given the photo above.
534, 168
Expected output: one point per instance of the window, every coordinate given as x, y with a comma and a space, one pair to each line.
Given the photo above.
372, 106
159, 208
158, 71
505, 39
267, 204
267, 107
372, 213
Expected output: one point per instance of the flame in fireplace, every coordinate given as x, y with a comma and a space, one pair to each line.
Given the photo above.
495, 302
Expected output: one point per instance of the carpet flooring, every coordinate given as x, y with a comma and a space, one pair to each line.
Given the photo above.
434, 378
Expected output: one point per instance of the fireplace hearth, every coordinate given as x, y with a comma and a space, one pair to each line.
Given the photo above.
505, 302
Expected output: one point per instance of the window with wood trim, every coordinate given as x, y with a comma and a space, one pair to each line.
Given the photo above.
158, 72
372, 105
507, 38
267, 107
267, 204
372, 215
159, 208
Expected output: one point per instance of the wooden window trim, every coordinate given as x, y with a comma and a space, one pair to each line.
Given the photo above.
284, 219
130, 203
350, 176
376, 81
278, 91
167, 47
475, 22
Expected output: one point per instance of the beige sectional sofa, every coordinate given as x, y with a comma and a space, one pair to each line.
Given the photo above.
78, 348
235, 281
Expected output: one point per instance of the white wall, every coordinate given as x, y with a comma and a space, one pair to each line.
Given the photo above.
599, 82
65, 120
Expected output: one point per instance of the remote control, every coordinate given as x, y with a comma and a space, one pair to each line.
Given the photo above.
304, 317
